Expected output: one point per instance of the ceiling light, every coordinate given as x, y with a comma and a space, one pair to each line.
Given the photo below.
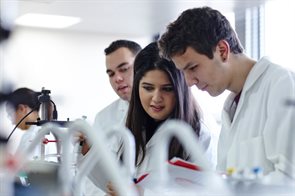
46, 21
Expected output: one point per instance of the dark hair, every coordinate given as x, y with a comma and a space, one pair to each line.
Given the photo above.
199, 28
115, 45
139, 122
4, 32
24, 96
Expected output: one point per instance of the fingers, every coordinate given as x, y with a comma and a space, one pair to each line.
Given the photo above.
85, 148
110, 190
79, 137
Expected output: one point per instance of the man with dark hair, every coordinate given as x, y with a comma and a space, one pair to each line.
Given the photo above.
120, 57
119, 66
257, 126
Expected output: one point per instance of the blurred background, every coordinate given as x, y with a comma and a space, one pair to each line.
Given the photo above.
66, 55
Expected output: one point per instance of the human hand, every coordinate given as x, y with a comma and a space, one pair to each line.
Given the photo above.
82, 139
110, 190
85, 147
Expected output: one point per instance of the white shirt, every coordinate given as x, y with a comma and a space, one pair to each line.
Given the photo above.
115, 113
262, 131
27, 139
112, 115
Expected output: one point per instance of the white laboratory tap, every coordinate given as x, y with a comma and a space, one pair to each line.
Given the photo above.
65, 166
128, 142
108, 163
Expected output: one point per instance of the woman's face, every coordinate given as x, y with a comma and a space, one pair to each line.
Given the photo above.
157, 95
15, 115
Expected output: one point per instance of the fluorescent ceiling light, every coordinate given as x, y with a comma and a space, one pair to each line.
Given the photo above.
46, 21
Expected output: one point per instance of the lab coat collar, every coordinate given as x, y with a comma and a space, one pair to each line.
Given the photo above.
123, 105
257, 70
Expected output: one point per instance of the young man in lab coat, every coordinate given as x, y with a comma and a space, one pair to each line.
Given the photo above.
120, 56
258, 128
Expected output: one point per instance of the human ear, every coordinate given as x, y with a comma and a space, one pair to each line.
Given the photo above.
223, 49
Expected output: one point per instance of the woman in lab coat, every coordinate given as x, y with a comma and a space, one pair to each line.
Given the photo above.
21, 102
160, 93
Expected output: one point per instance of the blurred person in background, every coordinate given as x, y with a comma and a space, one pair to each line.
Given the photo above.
23, 106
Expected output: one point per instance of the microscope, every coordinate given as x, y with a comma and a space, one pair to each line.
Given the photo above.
49, 114
48, 110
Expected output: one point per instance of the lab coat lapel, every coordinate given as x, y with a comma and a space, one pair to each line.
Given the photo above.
228, 127
226, 119
123, 109
252, 77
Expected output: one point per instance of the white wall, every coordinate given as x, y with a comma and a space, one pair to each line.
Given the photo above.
71, 65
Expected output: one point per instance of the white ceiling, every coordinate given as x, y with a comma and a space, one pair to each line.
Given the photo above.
125, 17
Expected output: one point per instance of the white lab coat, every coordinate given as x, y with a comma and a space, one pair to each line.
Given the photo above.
27, 139
113, 114
262, 131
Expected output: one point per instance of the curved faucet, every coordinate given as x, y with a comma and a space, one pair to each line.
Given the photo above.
128, 145
108, 163
64, 170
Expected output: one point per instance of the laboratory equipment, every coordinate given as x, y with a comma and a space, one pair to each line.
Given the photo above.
107, 161
164, 179
63, 169
6, 179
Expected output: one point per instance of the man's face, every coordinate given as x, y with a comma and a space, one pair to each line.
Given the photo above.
211, 75
119, 67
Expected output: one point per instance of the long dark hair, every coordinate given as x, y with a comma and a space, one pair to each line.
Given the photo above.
139, 122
